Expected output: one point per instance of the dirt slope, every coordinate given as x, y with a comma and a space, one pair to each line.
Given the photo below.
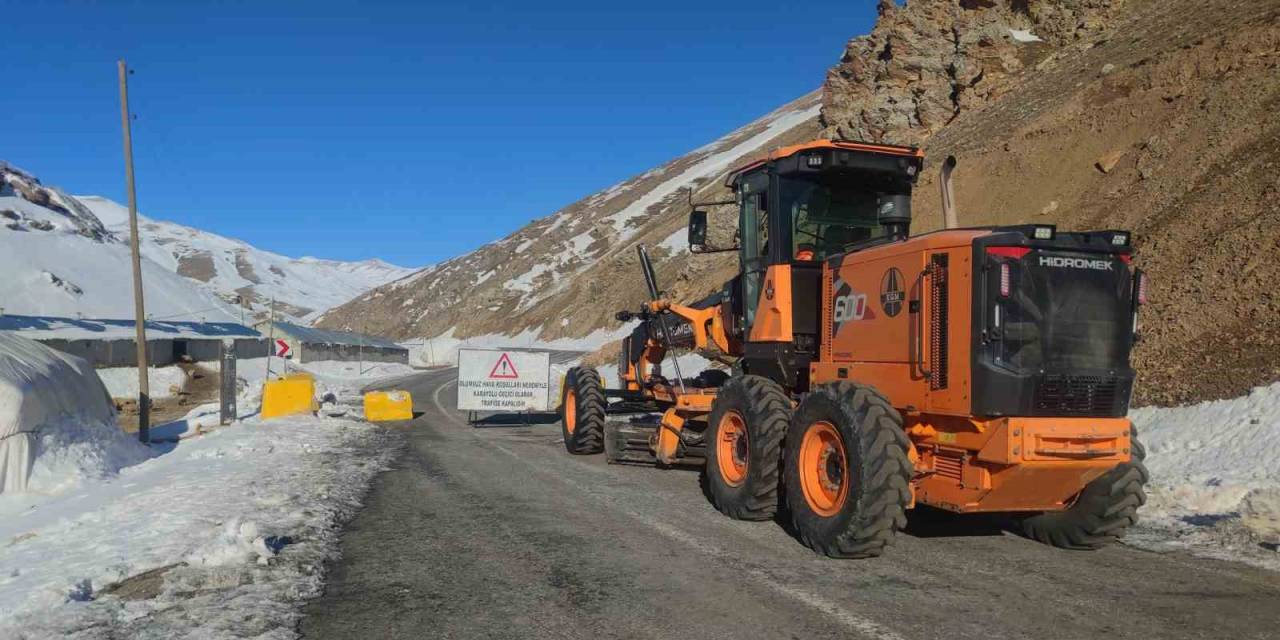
1182, 96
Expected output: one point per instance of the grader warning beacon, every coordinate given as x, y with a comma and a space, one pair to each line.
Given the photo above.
974, 370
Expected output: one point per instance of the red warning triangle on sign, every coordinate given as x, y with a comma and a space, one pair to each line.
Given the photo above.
504, 369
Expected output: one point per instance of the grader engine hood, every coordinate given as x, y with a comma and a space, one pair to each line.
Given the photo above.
988, 322
1053, 328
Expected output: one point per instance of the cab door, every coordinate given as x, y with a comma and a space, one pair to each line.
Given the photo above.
753, 229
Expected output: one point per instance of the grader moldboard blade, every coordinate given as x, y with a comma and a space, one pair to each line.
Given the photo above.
631, 442
628, 443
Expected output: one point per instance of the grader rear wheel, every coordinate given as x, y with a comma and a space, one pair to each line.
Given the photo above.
821, 467
1103, 511
847, 472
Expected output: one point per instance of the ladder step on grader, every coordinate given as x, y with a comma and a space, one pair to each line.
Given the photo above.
973, 370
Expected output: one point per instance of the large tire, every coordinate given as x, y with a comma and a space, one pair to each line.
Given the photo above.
1102, 512
582, 405
744, 435
848, 477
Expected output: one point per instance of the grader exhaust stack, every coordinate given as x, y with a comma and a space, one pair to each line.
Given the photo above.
950, 219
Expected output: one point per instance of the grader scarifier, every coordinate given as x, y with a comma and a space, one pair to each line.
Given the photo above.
967, 369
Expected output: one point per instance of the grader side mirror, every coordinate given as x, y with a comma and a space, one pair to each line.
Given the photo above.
697, 228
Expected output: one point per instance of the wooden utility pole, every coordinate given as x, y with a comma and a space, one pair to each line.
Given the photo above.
139, 308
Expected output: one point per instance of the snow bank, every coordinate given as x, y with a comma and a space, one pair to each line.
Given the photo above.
57, 424
1215, 483
1214, 453
240, 521
122, 382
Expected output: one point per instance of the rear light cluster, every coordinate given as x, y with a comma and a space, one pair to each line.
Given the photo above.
1009, 252
1139, 297
1006, 269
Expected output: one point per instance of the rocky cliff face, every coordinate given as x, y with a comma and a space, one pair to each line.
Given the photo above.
930, 60
1155, 116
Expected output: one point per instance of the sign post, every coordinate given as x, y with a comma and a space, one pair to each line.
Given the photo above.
227, 388
503, 381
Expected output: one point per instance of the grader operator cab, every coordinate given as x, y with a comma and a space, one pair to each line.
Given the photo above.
971, 370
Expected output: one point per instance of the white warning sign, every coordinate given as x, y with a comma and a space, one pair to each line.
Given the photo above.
500, 380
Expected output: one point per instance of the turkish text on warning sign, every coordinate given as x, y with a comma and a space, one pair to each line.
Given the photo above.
497, 380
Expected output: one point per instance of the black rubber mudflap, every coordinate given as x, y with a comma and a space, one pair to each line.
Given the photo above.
628, 443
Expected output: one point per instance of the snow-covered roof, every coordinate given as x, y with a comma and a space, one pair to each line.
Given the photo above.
50, 327
326, 336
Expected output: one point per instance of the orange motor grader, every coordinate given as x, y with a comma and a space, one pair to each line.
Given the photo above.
968, 369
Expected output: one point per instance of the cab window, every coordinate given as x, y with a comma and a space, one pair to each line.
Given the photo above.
754, 227
828, 215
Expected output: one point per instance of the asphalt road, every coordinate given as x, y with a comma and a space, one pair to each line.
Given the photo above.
496, 532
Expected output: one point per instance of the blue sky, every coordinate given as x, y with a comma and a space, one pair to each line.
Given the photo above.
408, 131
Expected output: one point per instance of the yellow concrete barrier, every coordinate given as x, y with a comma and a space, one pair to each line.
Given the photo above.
382, 406
291, 395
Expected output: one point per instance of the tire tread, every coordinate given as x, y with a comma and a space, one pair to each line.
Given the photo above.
1102, 513
588, 435
885, 478
767, 412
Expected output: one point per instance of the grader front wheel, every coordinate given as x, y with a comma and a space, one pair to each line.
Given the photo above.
847, 472
582, 411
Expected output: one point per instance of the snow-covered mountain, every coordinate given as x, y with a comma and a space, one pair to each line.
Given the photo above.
563, 276
60, 260
69, 256
302, 287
